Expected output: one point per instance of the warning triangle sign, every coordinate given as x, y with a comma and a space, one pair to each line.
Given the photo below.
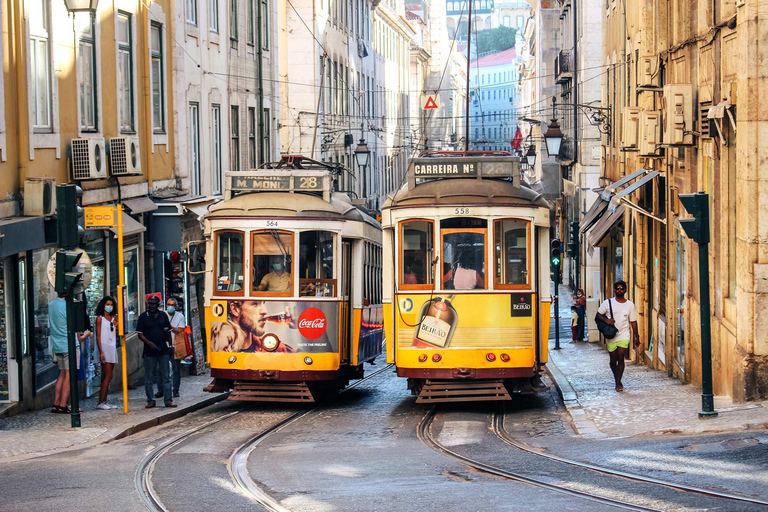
430, 104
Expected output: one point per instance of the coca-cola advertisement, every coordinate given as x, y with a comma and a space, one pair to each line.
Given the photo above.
244, 325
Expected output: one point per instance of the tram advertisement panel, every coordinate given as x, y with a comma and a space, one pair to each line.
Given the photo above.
448, 320
274, 326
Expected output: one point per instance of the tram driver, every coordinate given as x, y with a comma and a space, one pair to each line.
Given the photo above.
278, 280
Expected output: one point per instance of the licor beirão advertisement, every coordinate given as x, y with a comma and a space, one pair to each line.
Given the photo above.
274, 326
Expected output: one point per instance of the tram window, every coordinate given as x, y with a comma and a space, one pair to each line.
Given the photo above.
229, 261
417, 251
463, 259
272, 262
316, 264
511, 242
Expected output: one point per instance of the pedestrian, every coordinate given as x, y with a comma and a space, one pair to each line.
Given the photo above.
178, 325
581, 311
154, 330
106, 340
57, 322
574, 324
624, 316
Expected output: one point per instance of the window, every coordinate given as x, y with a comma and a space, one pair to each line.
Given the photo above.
251, 138
233, 20
267, 136
316, 264
192, 12
132, 275
194, 146
234, 130
229, 262
511, 253
86, 49
265, 24
40, 66
463, 253
252, 22
272, 262
125, 73
158, 87
416, 254
216, 147
213, 15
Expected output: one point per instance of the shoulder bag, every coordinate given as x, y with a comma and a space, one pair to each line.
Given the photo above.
609, 331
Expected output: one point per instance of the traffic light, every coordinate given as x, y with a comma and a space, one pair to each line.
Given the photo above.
555, 255
696, 228
573, 240
67, 214
68, 275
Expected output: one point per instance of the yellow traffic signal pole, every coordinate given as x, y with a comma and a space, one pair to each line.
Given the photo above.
121, 303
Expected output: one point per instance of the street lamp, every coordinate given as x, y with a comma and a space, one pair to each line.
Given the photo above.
530, 156
553, 136
362, 154
81, 5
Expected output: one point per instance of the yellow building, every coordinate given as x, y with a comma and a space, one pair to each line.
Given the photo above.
85, 98
685, 83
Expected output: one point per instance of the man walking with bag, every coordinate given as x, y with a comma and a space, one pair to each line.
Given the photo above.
154, 330
621, 313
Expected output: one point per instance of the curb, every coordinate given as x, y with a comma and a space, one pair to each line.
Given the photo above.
581, 423
124, 431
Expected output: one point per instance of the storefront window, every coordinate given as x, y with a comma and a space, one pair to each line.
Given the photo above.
132, 306
229, 262
511, 241
95, 290
416, 254
272, 262
23, 318
42, 293
316, 269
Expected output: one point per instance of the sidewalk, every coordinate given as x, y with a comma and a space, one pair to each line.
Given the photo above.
652, 403
35, 433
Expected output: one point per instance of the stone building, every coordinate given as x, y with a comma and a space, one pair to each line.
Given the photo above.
685, 82
493, 86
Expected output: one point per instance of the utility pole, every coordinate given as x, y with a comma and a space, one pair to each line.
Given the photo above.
697, 229
555, 260
469, 62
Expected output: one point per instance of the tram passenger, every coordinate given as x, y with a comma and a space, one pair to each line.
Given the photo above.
245, 327
278, 280
463, 276
414, 273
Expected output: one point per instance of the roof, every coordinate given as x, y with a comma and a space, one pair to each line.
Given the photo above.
466, 191
496, 59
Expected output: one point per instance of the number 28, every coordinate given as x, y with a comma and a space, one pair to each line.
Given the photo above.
461, 211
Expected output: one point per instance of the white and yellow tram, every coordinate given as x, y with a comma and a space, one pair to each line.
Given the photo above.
293, 284
466, 280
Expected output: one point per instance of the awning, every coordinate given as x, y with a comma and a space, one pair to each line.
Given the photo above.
615, 200
140, 205
569, 187
718, 111
199, 209
21, 234
603, 227
611, 189
595, 211
130, 226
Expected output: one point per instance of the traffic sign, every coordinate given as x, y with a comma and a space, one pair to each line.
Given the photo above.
100, 217
429, 102
84, 266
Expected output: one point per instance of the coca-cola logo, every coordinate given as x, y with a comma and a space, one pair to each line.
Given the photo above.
312, 323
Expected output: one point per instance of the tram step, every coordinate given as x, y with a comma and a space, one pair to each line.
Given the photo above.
271, 392
465, 391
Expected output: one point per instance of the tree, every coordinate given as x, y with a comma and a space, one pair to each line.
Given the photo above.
495, 40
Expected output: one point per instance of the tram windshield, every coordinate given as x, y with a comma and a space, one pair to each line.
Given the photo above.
272, 256
416, 254
463, 258
229, 261
316, 267
512, 242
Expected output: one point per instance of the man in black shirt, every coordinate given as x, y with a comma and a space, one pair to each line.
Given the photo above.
154, 329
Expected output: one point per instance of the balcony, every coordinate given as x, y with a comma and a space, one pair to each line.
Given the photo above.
563, 67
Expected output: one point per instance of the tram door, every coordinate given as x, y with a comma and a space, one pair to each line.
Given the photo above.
345, 315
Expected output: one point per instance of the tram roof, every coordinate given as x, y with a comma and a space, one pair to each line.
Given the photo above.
298, 205
462, 191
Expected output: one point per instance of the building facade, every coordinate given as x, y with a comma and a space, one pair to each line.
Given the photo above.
493, 86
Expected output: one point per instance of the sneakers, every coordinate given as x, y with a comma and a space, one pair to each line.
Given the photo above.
149, 405
104, 406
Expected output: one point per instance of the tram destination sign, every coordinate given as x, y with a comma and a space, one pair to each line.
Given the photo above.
444, 168
277, 183
464, 167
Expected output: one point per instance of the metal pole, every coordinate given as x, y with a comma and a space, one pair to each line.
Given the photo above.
557, 308
71, 345
121, 303
707, 397
469, 62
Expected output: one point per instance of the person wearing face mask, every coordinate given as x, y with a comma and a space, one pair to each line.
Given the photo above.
178, 324
278, 280
106, 340
154, 330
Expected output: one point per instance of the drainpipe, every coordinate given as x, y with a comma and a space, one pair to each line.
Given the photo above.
147, 89
22, 118
260, 46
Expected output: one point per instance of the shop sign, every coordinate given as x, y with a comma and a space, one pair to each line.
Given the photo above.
84, 266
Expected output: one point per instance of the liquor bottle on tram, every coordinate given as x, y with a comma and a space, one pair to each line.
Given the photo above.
437, 322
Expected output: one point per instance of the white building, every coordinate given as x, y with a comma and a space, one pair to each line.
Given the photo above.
493, 87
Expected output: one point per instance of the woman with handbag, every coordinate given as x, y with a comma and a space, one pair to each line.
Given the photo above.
616, 328
178, 325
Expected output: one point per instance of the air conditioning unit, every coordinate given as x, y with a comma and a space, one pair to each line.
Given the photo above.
39, 197
678, 115
124, 156
630, 117
648, 138
88, 159
647, 72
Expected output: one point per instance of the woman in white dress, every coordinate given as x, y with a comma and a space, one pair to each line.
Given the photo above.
106, 339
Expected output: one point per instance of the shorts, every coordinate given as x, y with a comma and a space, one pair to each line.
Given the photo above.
614, 344
62, 359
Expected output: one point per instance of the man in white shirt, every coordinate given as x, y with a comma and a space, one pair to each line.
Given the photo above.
624, 317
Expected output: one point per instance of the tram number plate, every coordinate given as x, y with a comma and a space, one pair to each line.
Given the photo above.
461, 211
271, 223
311, 183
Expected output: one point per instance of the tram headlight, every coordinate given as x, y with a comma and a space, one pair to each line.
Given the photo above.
436, 358
307, 360
270, 342
423, 358
504, 357
490, 356
232, 359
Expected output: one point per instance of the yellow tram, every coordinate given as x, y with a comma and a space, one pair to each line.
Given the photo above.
293, 284
466, 280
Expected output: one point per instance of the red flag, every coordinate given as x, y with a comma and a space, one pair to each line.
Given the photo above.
517, 139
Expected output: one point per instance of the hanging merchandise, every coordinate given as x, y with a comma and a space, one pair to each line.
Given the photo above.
5, 390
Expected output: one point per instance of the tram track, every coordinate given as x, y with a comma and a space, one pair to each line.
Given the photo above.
500, 431
424, 433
